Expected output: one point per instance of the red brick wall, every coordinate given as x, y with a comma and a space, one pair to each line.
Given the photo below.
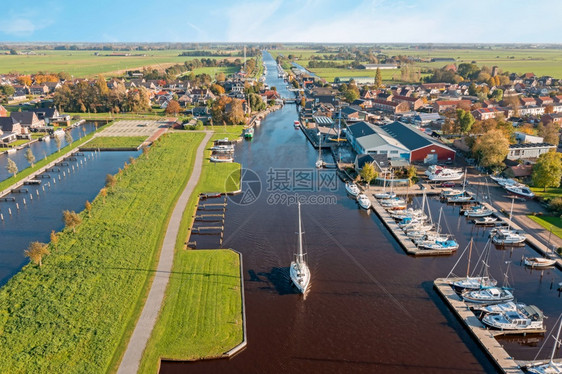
443, 154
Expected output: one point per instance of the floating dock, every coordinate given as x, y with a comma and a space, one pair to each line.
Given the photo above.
477, 329
402, 238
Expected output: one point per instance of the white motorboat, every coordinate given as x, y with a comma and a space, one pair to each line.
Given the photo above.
441, 174
385, 195
352, 189
484, 221
520, 190
539, 262
489, 295
459, 199
527, 318
297, 124
409, 213
299, 271
223, 148
498, 308
479, 212
438, 245
549, 367
507, 237
221, 158
364, 201
448, 192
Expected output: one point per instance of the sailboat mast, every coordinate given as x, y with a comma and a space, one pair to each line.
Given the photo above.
557, 341
300, 256
469, 257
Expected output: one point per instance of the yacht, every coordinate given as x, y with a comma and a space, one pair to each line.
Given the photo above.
223, 148
297, 124
385, 195
364, 201
249, 133
448, 192
448, 244
549, 367
299, 271
539, 262
221, 158
520, 190
490, 295
352, 189
478, 212
485, 221
482, 279
409, 213
441, 174
459, 199
527, 318
507, 237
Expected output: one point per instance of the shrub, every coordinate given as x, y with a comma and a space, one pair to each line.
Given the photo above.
555, 204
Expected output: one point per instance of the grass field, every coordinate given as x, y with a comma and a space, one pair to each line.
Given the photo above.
112, 142
87, 64
550, 192
549, 222
76, 313
39, 164
539, 61
206, 320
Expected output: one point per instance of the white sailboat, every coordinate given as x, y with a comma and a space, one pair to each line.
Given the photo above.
483, 279
299, 271
550, 367
384, 194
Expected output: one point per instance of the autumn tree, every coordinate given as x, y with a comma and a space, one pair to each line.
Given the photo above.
88, 207
36, 251
235, 113
550, 133
110, 180
58, 141
71, 219
29, 156
173, 108
549, 109
54, 239
378, 78
465, 120
103, 194
217, 89
368, 173
548, 170
101, 85
12, 167
68, 137
491, 148
220, 77
24, 80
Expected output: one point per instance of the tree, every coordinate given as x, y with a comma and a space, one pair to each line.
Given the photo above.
173, 108
549, 133
68, 137
110, 180
411, 172
58, 141
7, 90
549, 109
29, 156
71, 219
101, 85
103, 193
368, 173
548, 170
497, 94
465, 120
54, 238
378, 78
217, 89
88, 207
491, 148
220, 77
12, 167
36, 251
25, 80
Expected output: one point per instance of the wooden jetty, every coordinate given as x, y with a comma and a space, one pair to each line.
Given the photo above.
477, 329
406, 243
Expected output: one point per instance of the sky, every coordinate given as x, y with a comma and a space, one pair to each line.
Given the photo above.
321, 21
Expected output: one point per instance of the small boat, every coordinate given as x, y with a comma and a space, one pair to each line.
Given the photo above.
221, 158
210, 195
549, 367
528, 318
352, 189
385, 195
474, 283
520, 190
489, 295
58, 133
364, 201
223, 148
479, 212
441, 174
299, 271
439, 245
297, 124
539, 262
485, 221
459, 199
224, 141
507, 237
408, 213
392, 202
249, 133
447, 192
422, 227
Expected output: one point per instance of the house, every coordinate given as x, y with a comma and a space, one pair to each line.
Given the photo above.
390, 106
441, 106
53, 86
39, 89
522, 137
557, 99
528, 150
545, 100
426, 118
3, 111
353, 113
528, 101
378, 66
9, 129
366, 138
483, 114
422, 147
48, 115
27, 120
414, 102
555, 118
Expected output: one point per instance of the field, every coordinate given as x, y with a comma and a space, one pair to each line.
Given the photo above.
206, 321
113, 142
76, 313
549, 222
87, 64
539, 61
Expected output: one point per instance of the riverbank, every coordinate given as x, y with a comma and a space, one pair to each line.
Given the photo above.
98, 276
114, 143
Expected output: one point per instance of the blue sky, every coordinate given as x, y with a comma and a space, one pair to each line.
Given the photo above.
366, 21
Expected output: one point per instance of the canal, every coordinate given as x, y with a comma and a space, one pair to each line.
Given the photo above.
370, 308
38, 208
41, 149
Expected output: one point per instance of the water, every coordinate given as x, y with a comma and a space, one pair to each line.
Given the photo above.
304, 70
41, 149
43, 213
371, 308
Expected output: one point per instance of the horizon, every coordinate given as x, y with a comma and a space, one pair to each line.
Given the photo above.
328, 21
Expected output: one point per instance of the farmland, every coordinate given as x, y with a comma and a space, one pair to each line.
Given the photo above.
97, 277
87, 64
539, 61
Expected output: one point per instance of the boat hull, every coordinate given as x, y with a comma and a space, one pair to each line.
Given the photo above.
300, 276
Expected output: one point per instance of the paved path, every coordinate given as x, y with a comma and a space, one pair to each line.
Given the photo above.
145, 324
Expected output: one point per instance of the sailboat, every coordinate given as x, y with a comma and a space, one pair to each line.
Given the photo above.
299, 271
463, 197
471, 282
438, 242
550, 367
384, 194
489, 295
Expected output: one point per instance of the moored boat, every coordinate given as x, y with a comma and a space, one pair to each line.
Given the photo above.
485, 221
221, 158
299, 271
528, 318
441, 174
539, 262
520, 190
364, 201
352, 189
489, 295
549, 367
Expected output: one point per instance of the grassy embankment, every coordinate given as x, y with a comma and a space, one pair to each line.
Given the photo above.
550, 193
202, 315
113, 142
39, 164
75, 314
549, 222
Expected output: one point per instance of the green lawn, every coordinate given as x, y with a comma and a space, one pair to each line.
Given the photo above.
39, 164
76, 313
550, 192
549, 222
112, 142
206, 320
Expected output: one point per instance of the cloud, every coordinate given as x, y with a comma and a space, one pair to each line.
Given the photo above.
20, 27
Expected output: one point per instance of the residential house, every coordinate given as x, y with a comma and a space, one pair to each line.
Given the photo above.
441, 106
528, 150
414, 102
555, 118
38, 89
53, 86
483, 114
49, 115
390, 106
528, 101
353, 113
9, 129
522, 137
27, 120
545, 100
423, 119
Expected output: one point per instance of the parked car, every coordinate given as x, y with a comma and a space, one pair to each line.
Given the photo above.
448, 184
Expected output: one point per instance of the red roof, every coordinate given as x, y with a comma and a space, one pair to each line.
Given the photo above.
452, 102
